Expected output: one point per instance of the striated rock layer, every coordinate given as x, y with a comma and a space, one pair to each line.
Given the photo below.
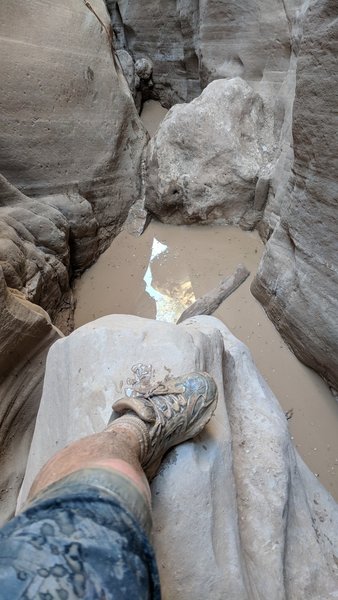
237, 514
70, 123
297, 280
71, 145
26, 334
191, 43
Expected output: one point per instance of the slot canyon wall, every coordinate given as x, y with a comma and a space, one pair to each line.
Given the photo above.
192, 43
74, 158
71, 145
297, 281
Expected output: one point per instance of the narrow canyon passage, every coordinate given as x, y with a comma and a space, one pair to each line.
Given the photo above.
209, 127
160, 273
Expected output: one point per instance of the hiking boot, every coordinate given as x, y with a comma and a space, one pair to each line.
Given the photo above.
168, 414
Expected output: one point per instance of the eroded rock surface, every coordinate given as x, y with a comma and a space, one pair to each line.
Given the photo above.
211, 159
261, 526
71, 145
297, 280
70, 123
42, 240
192, 43
26, 333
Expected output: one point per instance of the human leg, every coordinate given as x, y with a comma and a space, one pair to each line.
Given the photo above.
85, 529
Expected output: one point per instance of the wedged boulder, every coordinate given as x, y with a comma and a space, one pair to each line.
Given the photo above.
209, 157
237, 514
297, 280
70, 123
26, 333
71, 144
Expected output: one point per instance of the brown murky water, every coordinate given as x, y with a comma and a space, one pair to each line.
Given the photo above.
152, 115
159, 274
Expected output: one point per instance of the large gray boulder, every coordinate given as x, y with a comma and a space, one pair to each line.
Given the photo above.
237, 514
211, 159
69, 121
297, 280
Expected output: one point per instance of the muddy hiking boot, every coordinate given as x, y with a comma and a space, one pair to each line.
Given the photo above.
167, 414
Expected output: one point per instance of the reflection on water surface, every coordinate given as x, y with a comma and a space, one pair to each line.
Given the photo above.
171, 298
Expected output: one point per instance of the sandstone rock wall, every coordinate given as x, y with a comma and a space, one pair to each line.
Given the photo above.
26, 333
71, 144
70, 123
297, 280
191, 43
42, 239
211, 159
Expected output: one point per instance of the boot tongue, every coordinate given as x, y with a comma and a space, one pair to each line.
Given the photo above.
140, 406
163, 388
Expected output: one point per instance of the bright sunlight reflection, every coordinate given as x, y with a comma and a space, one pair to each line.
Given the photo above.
168, 307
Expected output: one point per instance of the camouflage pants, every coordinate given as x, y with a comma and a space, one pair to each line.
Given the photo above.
84, 537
